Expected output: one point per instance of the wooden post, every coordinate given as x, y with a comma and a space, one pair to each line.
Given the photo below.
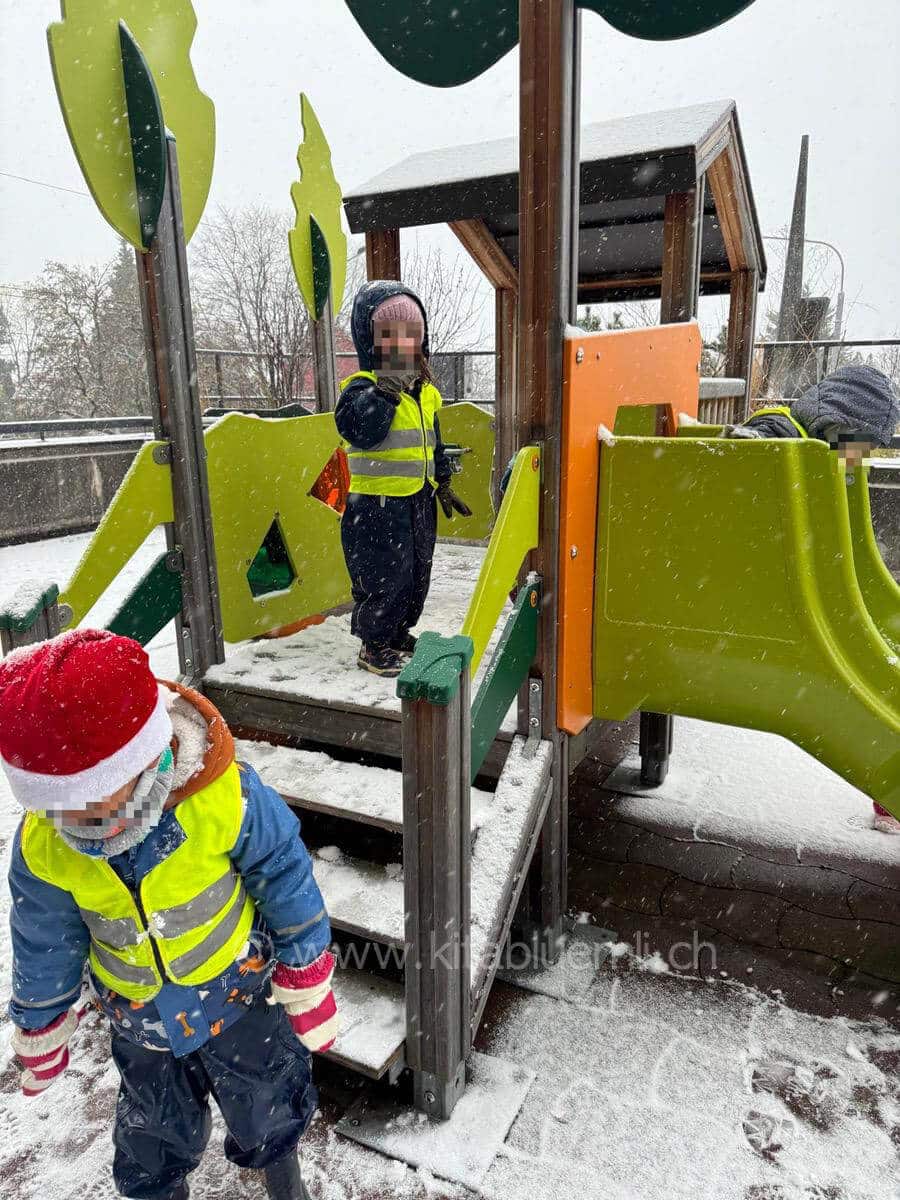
549, 53
741, 330
383, 254
506, 305
324, 369
175, 404
681, 255
437, 843
682, 236
32, 615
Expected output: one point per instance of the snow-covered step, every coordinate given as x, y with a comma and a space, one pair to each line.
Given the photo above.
373, 1023
362, 898
315, 781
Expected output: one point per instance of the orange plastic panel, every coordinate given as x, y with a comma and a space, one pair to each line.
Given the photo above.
601, 373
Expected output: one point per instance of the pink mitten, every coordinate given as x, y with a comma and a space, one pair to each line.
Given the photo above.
305, 993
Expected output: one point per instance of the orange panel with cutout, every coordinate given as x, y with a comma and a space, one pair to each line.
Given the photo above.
601, 373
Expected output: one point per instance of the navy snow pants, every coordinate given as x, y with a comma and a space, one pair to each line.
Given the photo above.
389, 547
257, 1072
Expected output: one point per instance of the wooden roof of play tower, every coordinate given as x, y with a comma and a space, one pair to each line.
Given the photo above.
628, 169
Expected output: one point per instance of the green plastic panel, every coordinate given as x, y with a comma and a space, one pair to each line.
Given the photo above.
880, 590
470, 426
151, 606
318, 203
506, 673
448, 44
86, 55
143, 501
16, 619
148, 134
637, 420
516, 532
726, 590
260, 472
434, 670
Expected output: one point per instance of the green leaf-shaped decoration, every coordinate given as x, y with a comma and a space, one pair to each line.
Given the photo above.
86, 54
448, 44
317, 242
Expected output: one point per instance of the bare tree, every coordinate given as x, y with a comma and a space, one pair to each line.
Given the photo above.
246, 298
72, 341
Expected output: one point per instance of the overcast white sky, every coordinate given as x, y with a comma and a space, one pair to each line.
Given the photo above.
823, 67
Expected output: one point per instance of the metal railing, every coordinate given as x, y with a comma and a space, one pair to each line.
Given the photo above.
827, 346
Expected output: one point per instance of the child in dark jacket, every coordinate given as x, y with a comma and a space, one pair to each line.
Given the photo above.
150, 857
855, 409
388, 417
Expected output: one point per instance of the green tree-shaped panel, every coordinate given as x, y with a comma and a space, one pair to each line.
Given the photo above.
448, 44
86, 54
318, 244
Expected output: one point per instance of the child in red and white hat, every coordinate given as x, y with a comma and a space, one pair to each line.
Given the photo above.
152, 860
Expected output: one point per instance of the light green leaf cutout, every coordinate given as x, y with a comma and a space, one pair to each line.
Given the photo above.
317, 198
86, 56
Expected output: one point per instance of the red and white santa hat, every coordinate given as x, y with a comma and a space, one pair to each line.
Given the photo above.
80, 716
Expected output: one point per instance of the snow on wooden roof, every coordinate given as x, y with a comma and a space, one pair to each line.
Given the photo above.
626, 137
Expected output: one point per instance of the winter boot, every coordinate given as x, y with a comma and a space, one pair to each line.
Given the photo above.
884, 822
181, 1192
380, 660
405, 645
283, 1179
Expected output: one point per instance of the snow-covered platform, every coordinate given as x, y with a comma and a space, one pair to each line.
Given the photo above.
308, 686
749, 841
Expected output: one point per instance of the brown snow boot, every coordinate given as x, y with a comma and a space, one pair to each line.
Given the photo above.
380, 660
283, 1179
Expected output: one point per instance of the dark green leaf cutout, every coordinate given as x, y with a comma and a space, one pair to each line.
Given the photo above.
321, 267
148, 134
445, 44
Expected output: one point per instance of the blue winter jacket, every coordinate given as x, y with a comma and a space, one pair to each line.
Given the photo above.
50, 940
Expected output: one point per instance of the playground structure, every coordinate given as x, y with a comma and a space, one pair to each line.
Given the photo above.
627, 597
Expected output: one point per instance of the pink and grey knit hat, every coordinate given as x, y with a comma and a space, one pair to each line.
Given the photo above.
400, 308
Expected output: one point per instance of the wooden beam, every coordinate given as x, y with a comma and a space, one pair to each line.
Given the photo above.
487, 253
549, 55
613, 282
681, 255
722, 178
383, 254
506, 309
742, 329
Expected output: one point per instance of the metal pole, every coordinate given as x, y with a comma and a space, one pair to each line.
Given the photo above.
177, 420
324, 369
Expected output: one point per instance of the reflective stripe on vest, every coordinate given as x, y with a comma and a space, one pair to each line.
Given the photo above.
401, 463
198, 914
780, 410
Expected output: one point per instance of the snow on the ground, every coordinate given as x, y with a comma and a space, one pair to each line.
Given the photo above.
760, 792
56, 558
321, 661
647, 1086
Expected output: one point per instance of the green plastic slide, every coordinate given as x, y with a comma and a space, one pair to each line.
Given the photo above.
879, 588
727, 590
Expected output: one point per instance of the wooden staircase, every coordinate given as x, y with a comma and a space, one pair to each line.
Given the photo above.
352, 822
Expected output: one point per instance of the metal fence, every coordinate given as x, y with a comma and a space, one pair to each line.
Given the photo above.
262, 379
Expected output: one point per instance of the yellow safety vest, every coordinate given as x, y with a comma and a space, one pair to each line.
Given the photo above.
192, 915
779, 410
400, 465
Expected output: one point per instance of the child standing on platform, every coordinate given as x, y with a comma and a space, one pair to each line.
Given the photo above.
388, 418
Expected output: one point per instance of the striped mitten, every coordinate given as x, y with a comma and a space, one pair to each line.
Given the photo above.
44, 1053
305, 993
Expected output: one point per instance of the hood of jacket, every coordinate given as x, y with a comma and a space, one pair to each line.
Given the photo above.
201, 741
855, 398
367, 299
